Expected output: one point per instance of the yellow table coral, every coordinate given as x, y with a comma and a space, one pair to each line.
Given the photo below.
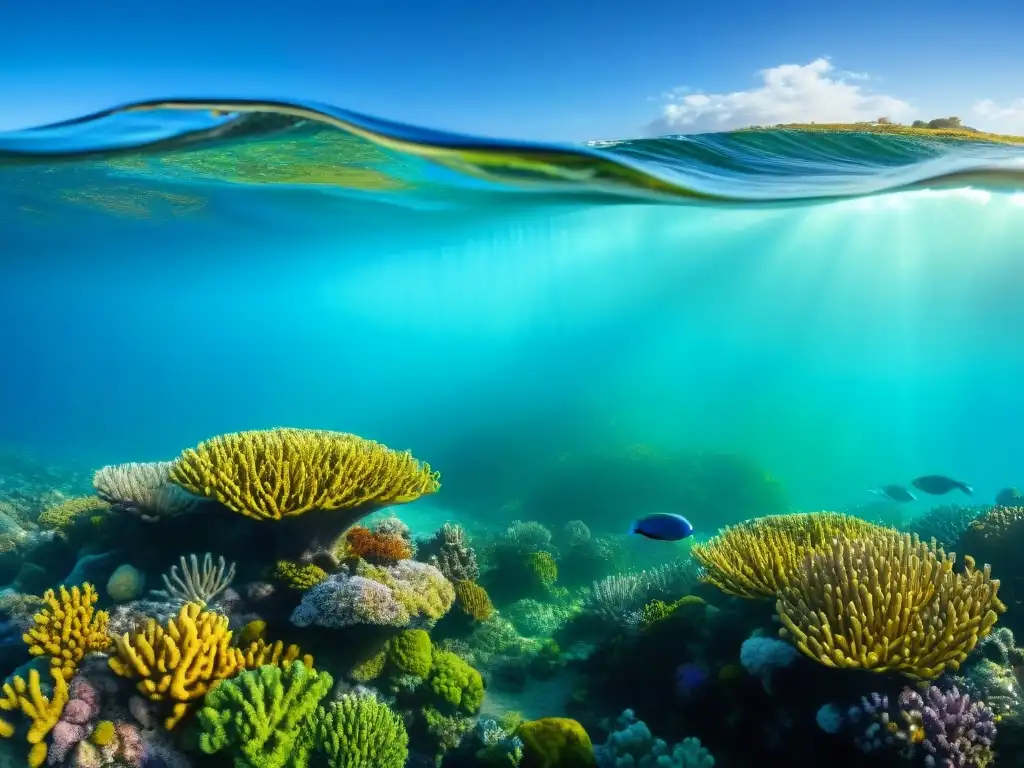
277, 473
67, 628
754, 558
179, 662
888, 602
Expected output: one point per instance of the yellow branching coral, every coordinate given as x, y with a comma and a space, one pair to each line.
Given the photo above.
474, 600
754, 558
42, 712
179, 662
888, 602
66, 512
276, 473
260, 653
67, 628
301, 576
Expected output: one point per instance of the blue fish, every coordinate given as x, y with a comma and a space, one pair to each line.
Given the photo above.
663, 526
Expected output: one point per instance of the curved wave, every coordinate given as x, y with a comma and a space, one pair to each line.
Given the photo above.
244, 141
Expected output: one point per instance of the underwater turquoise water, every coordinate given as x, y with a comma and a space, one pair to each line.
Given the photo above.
842, 309
728, 327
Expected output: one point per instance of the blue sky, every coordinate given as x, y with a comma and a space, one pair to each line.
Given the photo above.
555, 70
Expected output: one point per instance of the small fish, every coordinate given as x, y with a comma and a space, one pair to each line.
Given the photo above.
663, 526
895, 493
937, 485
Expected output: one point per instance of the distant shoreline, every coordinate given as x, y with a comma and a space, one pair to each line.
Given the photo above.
899, 130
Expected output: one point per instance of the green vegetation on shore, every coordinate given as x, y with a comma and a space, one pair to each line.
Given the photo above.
941, 128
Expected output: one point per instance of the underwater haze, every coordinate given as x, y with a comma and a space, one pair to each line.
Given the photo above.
332, 442
173, 273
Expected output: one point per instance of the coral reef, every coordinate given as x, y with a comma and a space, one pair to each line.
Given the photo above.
67, 628
888, 602
272, 474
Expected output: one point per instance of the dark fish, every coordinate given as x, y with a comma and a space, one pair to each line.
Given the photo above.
938, 485
895, 493
1009, 497
663, 526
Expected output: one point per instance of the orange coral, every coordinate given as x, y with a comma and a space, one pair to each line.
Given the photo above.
474, 600
377, 547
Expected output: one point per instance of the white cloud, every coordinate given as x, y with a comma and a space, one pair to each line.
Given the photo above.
790, 93
999, 118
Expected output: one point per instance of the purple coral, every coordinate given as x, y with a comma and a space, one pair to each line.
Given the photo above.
958, 733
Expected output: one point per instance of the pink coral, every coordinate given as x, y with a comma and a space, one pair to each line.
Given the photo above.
132, 750
65, 736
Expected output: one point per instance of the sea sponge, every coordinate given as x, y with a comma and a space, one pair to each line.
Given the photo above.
474, 600
301, 576
103, 733
178, 662
555, 742
888, 602
277, 473
260, 714
377, 547
64, 513
411, 652
68, 628
125, 583
455, 682
42, 712
543, 567
755, 558
360, 731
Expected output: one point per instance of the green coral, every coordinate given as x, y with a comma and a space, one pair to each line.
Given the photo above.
543, 567
64, 513
657, 610
412, 652
446, 730
457, 683
368, 670
301, 576
260, 714
359, 731
555, 742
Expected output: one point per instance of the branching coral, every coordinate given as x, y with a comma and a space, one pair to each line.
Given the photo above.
259, 653
377, 547
259, 715
756, 557
360, 731
888, 602
277, 473
178, 662
68, 628
543, 568
42, 712
449, 551
195, 583
527, 536
143, 488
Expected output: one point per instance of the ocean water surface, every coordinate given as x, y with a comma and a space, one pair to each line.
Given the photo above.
811, 315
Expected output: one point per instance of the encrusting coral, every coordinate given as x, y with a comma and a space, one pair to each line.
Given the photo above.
42, 712
888, 602
179, 662
66, 512
67, 628
377, 547
300, 576
278, 473
755, 558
